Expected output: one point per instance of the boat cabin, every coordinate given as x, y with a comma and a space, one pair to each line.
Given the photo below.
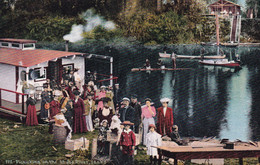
224, 8
22, 65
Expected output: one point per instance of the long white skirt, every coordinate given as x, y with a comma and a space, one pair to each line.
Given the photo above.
89, 122
146, 123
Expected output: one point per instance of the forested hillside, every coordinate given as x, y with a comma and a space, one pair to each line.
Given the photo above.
173, 21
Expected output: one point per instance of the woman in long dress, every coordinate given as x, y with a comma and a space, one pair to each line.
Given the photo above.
90, 107
101, 95
55, 105
79, 125
106, 113
110, 94
31, 118
148, 112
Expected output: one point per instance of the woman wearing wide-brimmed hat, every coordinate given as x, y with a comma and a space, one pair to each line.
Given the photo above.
148, 112
79, 125
164, 118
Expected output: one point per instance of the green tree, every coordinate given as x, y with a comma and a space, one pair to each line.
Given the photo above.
50, 28
255, 5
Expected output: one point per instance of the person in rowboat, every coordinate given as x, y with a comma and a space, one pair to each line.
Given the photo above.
147, 64
173, 57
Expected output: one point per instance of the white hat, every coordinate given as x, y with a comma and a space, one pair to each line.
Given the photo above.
102, 86
104, 121
127, 99
57, 93
165, 100
31, 92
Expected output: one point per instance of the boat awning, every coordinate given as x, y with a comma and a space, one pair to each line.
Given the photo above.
27, 58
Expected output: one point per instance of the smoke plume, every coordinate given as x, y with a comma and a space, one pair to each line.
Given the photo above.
92, 20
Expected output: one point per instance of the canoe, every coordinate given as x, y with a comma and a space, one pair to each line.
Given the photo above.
165, 55
157, 69
222, 62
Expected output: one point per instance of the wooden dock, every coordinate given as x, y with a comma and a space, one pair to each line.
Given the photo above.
15, 110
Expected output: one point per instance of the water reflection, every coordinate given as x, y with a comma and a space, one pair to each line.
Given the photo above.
237, 114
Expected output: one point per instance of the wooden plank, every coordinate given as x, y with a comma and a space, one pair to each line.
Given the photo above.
187, 152
12, 113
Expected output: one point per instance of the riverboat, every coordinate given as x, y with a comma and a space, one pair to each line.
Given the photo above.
24, 68
220, 62
165, 55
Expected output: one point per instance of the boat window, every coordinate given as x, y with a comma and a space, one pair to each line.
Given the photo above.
28, 45
37, 74
23, 75
4, 44
15, 45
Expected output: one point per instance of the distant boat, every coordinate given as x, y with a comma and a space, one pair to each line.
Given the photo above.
220, 62
165, 55
157, 69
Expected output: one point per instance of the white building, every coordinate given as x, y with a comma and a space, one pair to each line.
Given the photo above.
20, 61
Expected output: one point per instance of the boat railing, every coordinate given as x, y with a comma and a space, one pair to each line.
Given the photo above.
101, 78
108, 79
11, 106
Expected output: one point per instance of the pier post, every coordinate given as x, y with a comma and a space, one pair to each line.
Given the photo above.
94, 148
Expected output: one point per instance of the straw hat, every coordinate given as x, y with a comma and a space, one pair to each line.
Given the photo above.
127, 123
152, 126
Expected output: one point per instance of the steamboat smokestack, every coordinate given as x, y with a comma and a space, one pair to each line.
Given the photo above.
66, 45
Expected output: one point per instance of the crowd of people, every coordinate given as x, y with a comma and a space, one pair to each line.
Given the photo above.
88, 107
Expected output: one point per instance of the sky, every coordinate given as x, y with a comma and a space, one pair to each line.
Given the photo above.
242, 3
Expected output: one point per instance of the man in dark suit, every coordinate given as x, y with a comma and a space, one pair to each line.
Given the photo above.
127, 112
137, 112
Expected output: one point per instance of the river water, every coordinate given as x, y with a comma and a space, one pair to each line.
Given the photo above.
207, 101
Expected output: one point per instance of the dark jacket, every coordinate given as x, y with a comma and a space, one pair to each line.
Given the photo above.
137, 113
129, 114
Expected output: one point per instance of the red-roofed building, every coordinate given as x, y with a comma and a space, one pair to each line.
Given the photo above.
20, 62
224, 8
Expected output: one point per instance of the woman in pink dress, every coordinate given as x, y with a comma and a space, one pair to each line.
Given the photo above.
101, 94
148, 112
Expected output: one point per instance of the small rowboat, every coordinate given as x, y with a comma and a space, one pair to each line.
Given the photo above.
157, 69
165, 55
221, 62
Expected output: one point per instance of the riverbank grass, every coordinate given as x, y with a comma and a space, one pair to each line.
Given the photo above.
33, 145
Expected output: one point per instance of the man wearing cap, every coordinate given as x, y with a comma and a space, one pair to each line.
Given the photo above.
137, 112
165, 118
127, 142
126, 113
